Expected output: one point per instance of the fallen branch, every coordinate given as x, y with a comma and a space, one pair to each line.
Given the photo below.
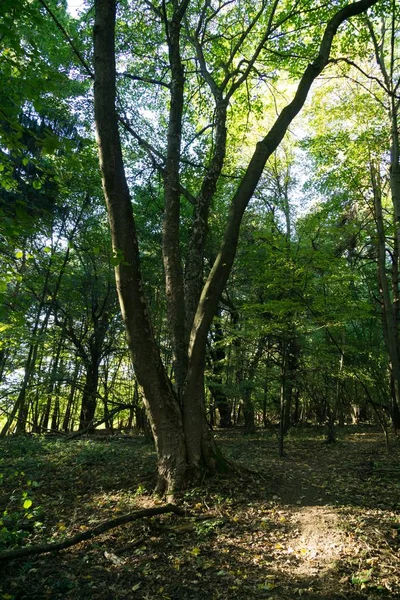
90, 533
93, 424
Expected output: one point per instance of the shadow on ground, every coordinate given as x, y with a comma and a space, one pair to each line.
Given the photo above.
321, 523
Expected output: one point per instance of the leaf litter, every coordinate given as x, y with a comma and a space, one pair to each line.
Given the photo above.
321, 523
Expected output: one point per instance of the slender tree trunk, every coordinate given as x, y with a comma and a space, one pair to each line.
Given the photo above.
339, 391
4, 354
172, 201
218, 357
89, 396
19, 407
71, 396
290, 358
390, 325
248, 411
160, 398
55, 418
50, 387
386, 60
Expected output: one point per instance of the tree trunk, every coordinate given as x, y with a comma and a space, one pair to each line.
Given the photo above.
66, 425
218, 356
89, 396
4, 354
248, 411
44, 422
386, 60
159, 396
390, 325
20, 407
290, 359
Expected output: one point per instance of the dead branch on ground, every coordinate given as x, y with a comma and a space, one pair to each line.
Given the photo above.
90, 533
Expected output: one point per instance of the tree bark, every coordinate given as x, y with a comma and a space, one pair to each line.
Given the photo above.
220, 398
171, 227
89, 396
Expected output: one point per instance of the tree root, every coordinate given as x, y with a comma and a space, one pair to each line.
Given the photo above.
235, 468
90, 533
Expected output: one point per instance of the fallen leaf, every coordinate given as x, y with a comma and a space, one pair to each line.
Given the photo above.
113, 558
136, 587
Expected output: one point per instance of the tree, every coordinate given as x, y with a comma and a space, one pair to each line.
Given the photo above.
176, 408
368, 180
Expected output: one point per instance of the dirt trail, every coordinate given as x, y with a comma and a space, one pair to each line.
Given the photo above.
320, 540
316, 541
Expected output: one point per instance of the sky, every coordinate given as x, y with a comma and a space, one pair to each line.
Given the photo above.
74, 6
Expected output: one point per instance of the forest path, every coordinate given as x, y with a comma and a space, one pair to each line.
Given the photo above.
320, 523
314, 544
319, 540
333, 537
314, 541
317, 535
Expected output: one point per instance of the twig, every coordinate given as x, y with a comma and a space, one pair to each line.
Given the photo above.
382, 537
69, 39
90, 533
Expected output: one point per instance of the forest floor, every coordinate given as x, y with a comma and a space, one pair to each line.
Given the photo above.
322, 523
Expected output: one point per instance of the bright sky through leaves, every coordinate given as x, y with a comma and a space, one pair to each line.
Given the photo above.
74, 7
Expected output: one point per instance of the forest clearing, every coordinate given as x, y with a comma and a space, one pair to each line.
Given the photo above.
320, 523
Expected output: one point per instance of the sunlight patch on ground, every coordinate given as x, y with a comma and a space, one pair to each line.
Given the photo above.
320, 542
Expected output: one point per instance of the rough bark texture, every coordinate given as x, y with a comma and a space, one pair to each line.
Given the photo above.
171, 227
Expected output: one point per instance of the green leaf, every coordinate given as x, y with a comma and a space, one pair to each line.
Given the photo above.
50, 145
27, 504
362, 577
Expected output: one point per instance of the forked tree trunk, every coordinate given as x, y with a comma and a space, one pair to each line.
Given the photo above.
183, 441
